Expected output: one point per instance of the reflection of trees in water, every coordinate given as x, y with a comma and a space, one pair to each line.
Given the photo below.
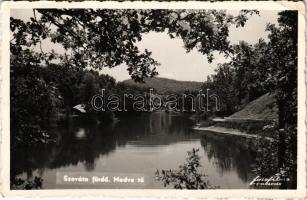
157, 128
84, 143
69, 150
227, 153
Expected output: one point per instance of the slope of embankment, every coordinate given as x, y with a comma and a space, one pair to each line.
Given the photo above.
248, 121
262, 108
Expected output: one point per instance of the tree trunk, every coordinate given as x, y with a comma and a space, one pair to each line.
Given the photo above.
281, 138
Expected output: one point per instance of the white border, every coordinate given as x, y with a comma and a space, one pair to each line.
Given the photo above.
300, 192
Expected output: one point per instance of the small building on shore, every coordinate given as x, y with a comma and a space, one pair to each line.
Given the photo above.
79, 109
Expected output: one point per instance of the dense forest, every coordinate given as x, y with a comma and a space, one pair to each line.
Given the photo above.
45, 85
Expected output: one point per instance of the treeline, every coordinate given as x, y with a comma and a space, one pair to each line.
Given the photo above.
167, 86
41, 93
243, 79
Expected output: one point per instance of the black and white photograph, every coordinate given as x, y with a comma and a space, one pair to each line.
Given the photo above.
133, 98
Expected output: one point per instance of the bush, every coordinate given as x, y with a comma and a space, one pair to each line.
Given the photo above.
270, 160
187, 176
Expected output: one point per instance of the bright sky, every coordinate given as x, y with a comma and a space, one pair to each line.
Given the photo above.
175, 62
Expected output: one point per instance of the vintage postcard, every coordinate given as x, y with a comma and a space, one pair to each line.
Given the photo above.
153, 99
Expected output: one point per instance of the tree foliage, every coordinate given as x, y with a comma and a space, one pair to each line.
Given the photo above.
31, 100
187, 176
106, 38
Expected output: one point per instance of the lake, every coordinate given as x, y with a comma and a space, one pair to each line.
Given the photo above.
136, 146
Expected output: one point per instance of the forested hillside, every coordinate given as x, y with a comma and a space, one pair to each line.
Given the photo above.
165, 85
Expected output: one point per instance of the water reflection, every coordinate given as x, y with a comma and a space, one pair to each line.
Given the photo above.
136, 144
230, 153
80, 134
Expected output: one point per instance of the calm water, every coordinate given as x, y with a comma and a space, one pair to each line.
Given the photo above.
136, 145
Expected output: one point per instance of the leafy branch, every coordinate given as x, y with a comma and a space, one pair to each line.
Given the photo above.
187, 176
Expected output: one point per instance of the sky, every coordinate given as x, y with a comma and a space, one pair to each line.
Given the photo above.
175, 62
